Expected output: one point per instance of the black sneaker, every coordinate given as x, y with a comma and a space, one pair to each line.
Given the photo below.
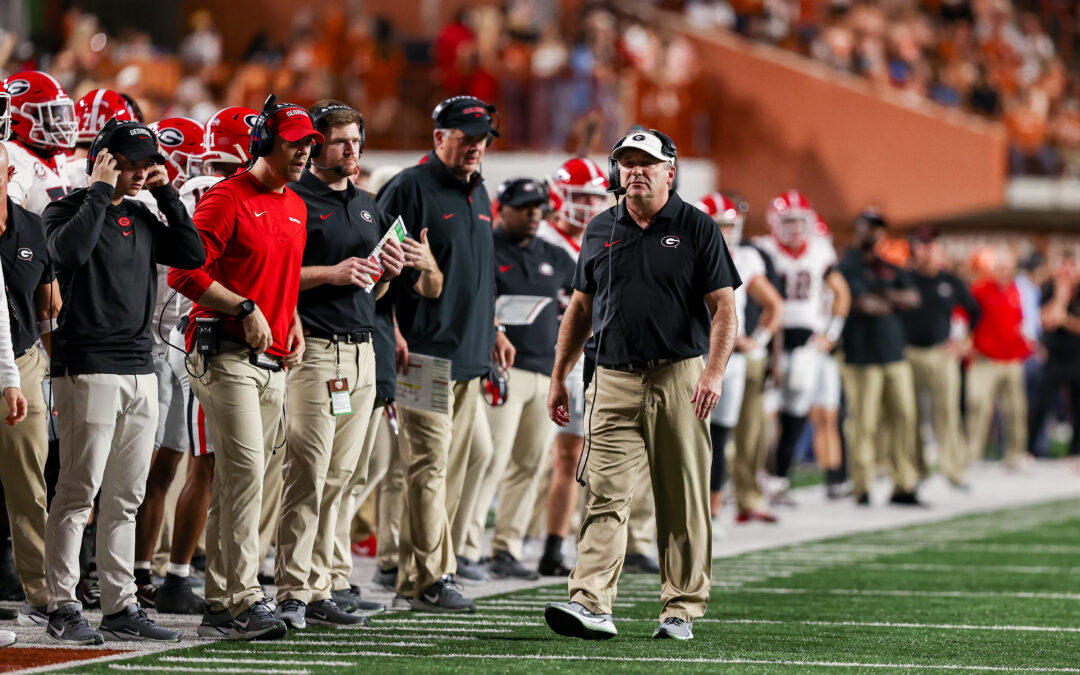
175, 596
387, 579
218, 624
470, 571
327, 613
292, 612
146, 594
352, 601
29, 615
132, 624
506, 565
258, 622
8, 614
88, 592
553, 567
638, 563
443, 597
68, 626
573, 620
902, 498
862, 499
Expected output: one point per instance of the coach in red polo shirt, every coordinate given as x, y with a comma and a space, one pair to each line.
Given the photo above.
997, 375
253, 229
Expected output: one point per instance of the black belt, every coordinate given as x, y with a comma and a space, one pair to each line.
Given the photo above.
635, 366
21, 354
347, 338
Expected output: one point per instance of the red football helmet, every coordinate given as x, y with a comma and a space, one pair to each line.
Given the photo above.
227, 135
181, 141
791, 218
578, 191
98, 107
5, 115
725, 212
42, 114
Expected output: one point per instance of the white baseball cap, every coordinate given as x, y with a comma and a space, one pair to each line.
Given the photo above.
645, 141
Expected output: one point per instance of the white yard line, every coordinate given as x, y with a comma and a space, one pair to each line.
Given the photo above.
184, 669
885, 624
911, 593
252, 661
338, 642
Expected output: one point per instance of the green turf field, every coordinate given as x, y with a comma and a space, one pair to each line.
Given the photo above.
996, 592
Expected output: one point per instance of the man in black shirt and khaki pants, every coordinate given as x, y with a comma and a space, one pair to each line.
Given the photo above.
652, 271
106, 249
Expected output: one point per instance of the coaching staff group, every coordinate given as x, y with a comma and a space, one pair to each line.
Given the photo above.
651, 272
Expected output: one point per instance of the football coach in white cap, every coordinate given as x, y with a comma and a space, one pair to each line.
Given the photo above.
654, 286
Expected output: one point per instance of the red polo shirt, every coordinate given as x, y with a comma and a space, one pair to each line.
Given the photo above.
999, 332
254, 240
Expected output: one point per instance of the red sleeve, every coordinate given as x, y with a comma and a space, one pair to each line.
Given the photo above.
215, 219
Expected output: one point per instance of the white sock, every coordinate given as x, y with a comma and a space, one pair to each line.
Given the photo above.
142, 564
179, 570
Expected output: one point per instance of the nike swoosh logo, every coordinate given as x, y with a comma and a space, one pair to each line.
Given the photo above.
326, 216
257, 214
447, 216
291, 218
505, 268
591, 619
127, 234
609, 244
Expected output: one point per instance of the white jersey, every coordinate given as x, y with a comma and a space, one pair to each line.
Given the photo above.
74, 172
802, 280
194, 188
37, 181
750, 266
553, 235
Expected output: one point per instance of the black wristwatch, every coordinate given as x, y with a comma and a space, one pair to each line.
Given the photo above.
246, 308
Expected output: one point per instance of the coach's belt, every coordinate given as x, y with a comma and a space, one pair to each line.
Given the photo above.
637, 366
347, 338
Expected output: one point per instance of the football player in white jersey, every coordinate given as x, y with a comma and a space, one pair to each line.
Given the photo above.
755, 285
43, 130
806, 266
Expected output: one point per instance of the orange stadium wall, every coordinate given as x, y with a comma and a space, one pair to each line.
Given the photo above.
776, 121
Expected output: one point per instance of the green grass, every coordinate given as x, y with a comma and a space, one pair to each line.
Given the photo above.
806, 608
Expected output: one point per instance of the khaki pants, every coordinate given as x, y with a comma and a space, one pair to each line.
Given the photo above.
938, 374
879, 393
242, 404
107, 426
389, 505
322, 453
468, 540
641, 534
646, 417
23, 451
437, 447
371, 466
992, 381
520, 435
750, 448
273, 485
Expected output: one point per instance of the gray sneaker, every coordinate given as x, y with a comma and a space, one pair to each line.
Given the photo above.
132, 624
327, 613
506, 565
32, 616
443, 597
67, 625
387, 579
637, 563
7, 638
258, 622
292, 612
350, 600
215, 624
400, 602
675, 629
472, 572
573, 620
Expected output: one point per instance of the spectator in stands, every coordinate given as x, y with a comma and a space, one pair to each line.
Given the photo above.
1061, 321
997, 375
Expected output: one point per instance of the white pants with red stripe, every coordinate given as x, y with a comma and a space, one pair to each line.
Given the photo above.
198, 434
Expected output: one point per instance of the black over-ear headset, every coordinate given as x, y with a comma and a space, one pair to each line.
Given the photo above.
261, 140
101, 141
440, 111
317, 117
667, 146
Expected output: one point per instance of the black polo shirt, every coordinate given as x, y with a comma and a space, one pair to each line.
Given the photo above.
537, 269
385, 347
26, 264
340, 224
872, 340
1062, 347
931, 323
460, 324
659, 277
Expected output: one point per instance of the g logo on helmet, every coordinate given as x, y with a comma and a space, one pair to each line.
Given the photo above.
250, 120
171, 137
670, 240
18, 87
639, 137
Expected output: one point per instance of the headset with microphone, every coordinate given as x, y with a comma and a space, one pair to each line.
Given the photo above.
440, 112
261, 141
667, 147
317, 119
101, 141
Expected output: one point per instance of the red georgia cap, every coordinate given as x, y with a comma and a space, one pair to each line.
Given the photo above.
294, 124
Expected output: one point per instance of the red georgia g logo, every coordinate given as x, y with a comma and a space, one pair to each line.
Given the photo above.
124, 221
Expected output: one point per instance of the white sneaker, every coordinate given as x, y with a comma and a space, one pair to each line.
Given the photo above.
7, 638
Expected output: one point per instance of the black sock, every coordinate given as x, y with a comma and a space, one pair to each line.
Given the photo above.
791, 428
719, 436
553, 547
143, 578
834, 476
